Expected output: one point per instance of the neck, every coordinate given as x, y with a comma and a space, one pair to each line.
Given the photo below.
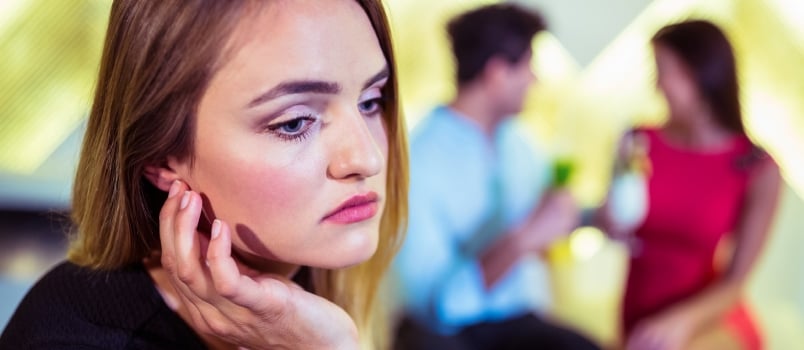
475, 105
700, 131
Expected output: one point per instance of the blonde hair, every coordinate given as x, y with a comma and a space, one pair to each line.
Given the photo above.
158, 59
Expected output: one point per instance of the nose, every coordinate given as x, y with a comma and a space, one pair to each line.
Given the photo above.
355, 152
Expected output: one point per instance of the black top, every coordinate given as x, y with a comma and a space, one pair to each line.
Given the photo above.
73, 307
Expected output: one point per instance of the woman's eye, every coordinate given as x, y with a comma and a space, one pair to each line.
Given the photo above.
371, 106
292, 126
294, 129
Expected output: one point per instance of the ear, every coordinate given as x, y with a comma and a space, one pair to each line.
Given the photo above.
496, 69
161, 176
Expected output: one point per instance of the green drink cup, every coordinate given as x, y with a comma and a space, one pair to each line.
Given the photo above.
562, 172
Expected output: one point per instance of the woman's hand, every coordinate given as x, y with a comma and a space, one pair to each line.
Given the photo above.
241, 306
670, 330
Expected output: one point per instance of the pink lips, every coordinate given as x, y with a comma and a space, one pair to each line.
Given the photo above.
358, 208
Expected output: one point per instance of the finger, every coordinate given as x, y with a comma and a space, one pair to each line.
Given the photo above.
651, 340
220, 323
166, 219
630, 343
222, 267
637, 339
189, 269
207, 318
269, 295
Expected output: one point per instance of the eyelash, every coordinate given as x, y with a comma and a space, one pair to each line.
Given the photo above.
298, 136
379, 102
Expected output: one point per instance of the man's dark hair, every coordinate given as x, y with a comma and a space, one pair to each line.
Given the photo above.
503, 30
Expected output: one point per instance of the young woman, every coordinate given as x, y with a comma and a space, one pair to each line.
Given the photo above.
242, 182
707, 184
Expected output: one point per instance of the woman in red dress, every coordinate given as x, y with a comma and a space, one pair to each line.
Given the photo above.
707, 184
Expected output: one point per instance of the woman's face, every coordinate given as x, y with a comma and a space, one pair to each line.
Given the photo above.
676, 84
290, 144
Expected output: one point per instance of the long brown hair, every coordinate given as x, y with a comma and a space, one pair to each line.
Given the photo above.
708, 55
158, 59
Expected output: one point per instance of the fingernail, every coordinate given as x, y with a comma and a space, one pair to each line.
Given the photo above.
185, 200
216, 228
174, 189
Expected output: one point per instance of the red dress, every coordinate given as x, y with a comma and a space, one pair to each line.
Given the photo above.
695, 200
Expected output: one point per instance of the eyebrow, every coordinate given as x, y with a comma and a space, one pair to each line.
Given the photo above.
296, 87
310, 86
382, 74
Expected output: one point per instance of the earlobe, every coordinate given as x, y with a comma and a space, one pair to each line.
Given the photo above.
161, 176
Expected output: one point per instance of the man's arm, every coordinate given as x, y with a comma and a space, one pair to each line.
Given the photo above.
556, 216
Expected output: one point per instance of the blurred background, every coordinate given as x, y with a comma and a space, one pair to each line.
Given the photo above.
596, 79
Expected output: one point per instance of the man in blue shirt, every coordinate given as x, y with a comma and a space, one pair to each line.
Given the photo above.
481, 204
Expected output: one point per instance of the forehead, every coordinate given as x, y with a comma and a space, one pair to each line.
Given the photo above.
321, 39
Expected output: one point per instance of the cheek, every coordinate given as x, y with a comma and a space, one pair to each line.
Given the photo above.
684, 95
676, 85
379, 132
673, 89
273, 192
262, 192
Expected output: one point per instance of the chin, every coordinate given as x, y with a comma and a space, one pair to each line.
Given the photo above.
358, 247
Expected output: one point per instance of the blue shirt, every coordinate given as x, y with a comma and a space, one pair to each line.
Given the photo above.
455, 169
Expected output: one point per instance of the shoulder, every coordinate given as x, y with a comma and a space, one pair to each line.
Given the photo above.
78, 286
440, 126
77, 305
751, 162
514, 138
521, 152
762, 170
442, 146
752, 158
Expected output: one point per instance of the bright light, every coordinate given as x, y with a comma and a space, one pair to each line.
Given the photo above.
10, 9
787, 146
552, 62
585, 242
792, 13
